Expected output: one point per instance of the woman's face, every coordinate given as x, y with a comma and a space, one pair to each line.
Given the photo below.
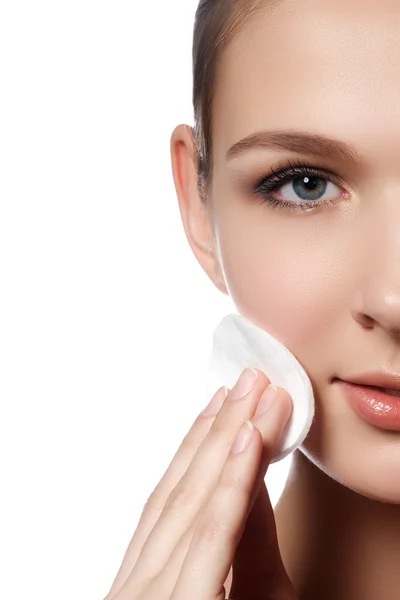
325, 282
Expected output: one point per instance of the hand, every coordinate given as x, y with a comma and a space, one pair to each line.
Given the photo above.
209, 522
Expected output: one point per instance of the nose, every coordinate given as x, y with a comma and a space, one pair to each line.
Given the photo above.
377, 300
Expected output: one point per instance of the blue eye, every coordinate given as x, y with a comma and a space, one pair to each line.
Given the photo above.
305, 187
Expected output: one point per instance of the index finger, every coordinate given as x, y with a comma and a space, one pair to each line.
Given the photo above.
157, 499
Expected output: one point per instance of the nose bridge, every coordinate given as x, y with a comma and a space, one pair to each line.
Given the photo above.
379, 264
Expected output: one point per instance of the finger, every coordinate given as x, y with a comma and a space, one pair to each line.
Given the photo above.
166, 580
218, 531
258, 562
198, 483
164, 583
156, 501
174, 565
222, 523
193, 490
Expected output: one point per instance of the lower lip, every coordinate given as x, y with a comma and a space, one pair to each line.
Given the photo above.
374, 406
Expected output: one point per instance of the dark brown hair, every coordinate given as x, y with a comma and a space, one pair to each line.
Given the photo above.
216, 23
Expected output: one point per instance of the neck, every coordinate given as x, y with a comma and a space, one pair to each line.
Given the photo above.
336, 543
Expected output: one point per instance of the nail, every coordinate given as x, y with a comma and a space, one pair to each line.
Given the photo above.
216, 402
267, 397
243, 437
244, 384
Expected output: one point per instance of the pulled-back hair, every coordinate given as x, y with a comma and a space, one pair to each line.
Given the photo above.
216, 23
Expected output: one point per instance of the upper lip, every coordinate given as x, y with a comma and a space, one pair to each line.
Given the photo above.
378, 379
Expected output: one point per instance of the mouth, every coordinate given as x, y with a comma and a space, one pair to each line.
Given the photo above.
389, 391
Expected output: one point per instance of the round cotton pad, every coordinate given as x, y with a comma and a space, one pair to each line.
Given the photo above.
238, 343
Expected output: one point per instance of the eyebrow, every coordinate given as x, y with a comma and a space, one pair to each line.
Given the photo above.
296, 141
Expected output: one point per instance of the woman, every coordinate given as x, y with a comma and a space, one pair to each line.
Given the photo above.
289, 192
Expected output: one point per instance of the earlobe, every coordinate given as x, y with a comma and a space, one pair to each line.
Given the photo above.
195, 213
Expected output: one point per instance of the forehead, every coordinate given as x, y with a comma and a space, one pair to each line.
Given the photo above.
330, 67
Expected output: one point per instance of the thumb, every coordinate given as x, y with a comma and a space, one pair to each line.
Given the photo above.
258, 571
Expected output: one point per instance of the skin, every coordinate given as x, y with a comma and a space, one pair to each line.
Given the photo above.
325, 283
187, 544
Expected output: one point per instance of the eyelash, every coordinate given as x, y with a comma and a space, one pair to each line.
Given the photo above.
286, 172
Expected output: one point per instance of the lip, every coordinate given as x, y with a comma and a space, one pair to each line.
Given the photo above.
383, 379
373, 405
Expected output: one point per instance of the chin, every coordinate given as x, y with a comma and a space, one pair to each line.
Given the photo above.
353, 453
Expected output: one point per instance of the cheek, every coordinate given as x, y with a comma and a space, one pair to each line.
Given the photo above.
278, 275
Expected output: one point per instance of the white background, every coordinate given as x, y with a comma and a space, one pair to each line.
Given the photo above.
106, 318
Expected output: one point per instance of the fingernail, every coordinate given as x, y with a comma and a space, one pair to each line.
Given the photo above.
244, 384
216, 402
243, 437
267, 397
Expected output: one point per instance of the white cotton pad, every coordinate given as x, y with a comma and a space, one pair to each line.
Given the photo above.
238, 343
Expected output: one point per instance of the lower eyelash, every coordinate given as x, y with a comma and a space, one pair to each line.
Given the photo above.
286, 174
284, 204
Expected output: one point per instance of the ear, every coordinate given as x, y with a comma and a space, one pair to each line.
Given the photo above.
195, 213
